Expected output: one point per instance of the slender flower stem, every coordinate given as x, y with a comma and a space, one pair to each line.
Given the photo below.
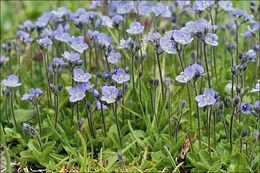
210, 112
108, 67
154, 107
224, 124
123, 102
10, 60
72, 104
206, 63
214, 128
237, 44
96, 55
230, 126
19, 64
161, 78
39, 140
117, 125
198, 112
241, 143
12, 109
31, 60
89, 119
85, 59
169, 113
90, 56
77, 108
47, 78
38, 115
6, 113
103, 118
132, 71
177, 126
187, 85
253, 152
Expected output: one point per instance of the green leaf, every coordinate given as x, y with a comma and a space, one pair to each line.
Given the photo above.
239, 164
22, 115
12, 133
157, 156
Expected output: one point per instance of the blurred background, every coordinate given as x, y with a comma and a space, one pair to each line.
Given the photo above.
16, 12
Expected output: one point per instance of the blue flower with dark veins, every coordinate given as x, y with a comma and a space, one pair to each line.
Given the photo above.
11, 81
226, 5
206, 99
121, 76
71, 56
80, 76
152, 37
251, 55
182, 37
98, 105
245, 108
135, 28
110, 94
76, 93
77, 44
211, 39
167, 45
124, 43
187, 75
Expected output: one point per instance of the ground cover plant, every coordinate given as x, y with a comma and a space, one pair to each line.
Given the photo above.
133, 86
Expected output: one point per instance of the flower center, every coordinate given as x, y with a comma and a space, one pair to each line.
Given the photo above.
78, 94
165, 48
78, 47
206, 5
209, 40
112, 96
182, 41
121, 77
186, 78
206, 99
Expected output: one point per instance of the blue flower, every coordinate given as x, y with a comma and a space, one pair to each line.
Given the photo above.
211, 39
256, 107
76, 93
237, 12
145, 8
251, 55
184, 5
152, 37
158, 9
135, 28
106, 21
250, 32
182, 37
226, 5
77, 44
71, 56
104, 39
124, 8
201, 5
24, 36
63, 37
87, 85
94, 5
124, 43
110, 94
11, 81
27, 26
117, 19
113, 57
121, 76
206, 99
44, 42
245, 108
98, 105
33, 93
257, 88
187, 75
80, 76
59, 61
167, 45
2, 59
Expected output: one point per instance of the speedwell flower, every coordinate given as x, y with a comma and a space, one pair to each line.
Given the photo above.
211, 39
182, 37
135, 28
76, 93
167, 45
245, 108
187, 75
206, 99
80, 76
121, 76
71, 56
110, 94
11, 81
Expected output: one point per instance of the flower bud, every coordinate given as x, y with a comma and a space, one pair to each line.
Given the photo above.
60, 86
95, 93
79, 62
244, 133
98, 75
221, 105
26, 127
167, 147
182, 104
228, 100
245, 67
236, 101
120, 156
240, 55
238, 89
5, 92
127, 69
156, 82
106, 74
150, 82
